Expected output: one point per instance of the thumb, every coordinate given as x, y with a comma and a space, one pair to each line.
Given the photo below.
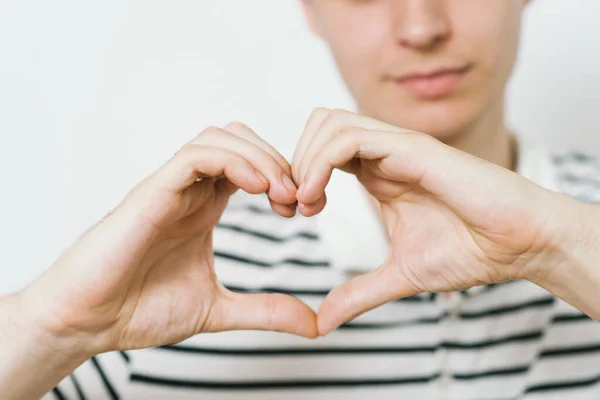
361, 294
266, 311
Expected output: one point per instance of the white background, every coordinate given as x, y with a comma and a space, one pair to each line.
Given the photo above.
94, 95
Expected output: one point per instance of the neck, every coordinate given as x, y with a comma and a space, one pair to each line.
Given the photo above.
488, 138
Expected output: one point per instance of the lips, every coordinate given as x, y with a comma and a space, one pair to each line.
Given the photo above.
432, 84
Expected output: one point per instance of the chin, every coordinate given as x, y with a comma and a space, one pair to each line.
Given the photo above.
444, 122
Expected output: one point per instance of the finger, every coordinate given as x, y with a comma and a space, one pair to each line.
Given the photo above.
195, 161
359, 295
285, 210
245, 132
335, 122
312, 125
262, 161
402, 158
308, 210
272, 312
338, 153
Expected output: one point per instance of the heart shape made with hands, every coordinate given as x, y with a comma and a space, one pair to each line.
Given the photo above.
453, 221
444, 232
332, 139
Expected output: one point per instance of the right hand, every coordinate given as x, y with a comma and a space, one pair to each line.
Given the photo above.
144, 276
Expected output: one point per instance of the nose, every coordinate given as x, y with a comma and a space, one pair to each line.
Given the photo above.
420, 24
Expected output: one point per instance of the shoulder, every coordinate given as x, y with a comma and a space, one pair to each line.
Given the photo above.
578, 175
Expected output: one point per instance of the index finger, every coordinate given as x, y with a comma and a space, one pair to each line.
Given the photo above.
312, 126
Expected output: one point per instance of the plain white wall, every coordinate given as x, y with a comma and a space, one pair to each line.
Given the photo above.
95, 95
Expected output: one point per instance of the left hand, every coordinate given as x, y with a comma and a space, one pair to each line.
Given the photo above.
454, 221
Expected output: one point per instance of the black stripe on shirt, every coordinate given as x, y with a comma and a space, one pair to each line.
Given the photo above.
543, 302
573, 157
269, 289
245, 385
78, 389
525, 337
303, 351
546, 387
58, 394
295, 384
394, 324
125, 356
494, 286
258, 263
580, 180
567, 351
267, 236
492, 372
109, 387
558, 319
291, 351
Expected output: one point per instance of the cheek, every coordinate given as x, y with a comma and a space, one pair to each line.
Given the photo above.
356, 43
492, 31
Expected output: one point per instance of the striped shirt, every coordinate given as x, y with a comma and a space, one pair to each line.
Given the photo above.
504, 341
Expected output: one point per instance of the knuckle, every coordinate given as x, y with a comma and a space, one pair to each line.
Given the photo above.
236, 125
189, 153
188, 150
337, 113
350, 131
344, 139
210, 133
335, 120
319, 112
210, 130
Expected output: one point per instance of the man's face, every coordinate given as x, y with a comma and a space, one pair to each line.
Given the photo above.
436, 66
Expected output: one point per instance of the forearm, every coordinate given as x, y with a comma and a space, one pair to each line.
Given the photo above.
572, 270
31, 362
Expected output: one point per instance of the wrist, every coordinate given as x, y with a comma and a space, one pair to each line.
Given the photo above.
568, 265
33, 360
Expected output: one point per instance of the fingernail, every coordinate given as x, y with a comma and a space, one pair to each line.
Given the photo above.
288, 182
302, 188
262, 177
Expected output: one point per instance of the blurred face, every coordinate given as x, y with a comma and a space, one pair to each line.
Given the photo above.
436, 66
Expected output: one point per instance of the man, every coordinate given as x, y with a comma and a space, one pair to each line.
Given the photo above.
432, 66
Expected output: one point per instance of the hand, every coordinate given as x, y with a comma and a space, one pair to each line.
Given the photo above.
454, 221
144, 276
